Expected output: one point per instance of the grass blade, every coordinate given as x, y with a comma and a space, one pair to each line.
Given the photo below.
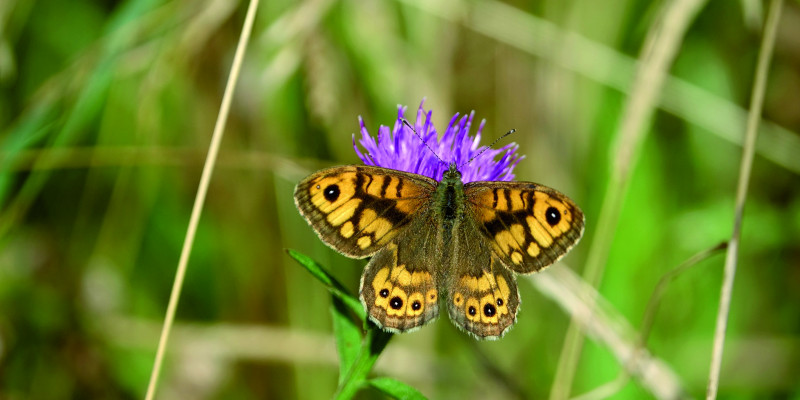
756, 105
658, 53
202, 189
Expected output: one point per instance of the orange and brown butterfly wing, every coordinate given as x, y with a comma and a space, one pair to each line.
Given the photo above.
529, 226
399, 287
482, 296
357, 210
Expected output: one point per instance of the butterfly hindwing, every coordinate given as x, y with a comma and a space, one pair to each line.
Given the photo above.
482, 296
530, 226
356, 210
398, 287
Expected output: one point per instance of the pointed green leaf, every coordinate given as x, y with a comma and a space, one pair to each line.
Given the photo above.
336, 288
348, 336
371, 348
395, 388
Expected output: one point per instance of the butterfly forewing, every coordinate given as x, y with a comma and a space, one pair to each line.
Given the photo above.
529, 226
359, 209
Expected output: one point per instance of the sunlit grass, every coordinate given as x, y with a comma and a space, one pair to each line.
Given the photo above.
107, 112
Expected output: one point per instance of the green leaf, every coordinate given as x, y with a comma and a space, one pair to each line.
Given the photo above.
348, 336
336, 288
371, 348
356, 360
395, 388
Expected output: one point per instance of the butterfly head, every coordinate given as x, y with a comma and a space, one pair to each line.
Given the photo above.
452, 173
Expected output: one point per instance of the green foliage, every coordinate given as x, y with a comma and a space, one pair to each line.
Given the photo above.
336, 288
357, 354
395, 388
106, 110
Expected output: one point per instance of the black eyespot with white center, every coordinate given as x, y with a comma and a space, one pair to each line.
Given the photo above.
416, 305
384, 293
489, 310
472, 311
396, 303
499, 302
553, 216
331, 193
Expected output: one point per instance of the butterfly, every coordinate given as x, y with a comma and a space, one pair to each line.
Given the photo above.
433, 239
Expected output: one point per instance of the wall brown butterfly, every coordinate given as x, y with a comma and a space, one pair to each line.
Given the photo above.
430, 239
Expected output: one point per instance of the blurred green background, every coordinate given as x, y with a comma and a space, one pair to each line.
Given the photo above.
107, 109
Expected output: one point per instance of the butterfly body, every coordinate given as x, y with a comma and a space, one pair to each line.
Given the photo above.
434, 240
447, 212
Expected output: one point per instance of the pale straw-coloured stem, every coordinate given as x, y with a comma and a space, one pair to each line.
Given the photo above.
731, 258
659, 50
610, 388
202, 189
607, 327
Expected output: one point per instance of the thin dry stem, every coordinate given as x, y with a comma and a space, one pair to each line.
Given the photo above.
655, 298
225, 342
731, 258
601, 321
607, 389
610, 388
205, 179
661, 46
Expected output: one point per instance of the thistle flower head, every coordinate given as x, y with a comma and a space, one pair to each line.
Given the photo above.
401, 149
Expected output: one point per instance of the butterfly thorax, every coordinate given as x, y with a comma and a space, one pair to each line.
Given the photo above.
449, 204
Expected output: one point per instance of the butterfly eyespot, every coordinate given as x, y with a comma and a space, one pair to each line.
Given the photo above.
432, 296
384, 293
472, 311
396, 303
416, 305
499, 302
489, 310
332, 192
553, 216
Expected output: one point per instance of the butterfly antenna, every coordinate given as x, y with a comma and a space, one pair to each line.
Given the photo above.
489, 147
423, 140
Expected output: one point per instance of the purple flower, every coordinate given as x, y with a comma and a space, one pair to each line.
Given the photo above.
403, 150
